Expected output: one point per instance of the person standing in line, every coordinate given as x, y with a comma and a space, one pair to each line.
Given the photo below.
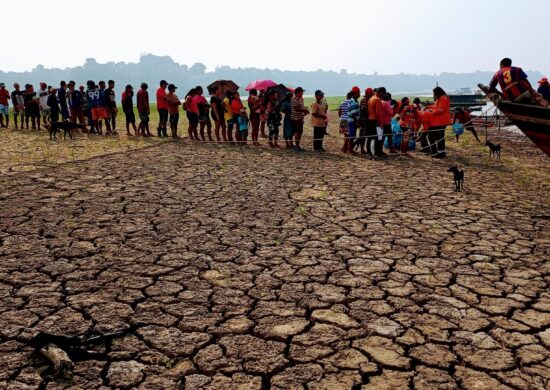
319, 110
254, 104
192, 113
343, 114
203, 113
374, 143
299, 111
162, 108
112, 109
273, 117
287, 121
43, 103
143, 110
53, 105
353, 118
216, 102
440, 119
18, 105
364, 119
228, 115
263, 114
104, 110
4, 105
75, 100
173, 103
92, 106
128, 109
387, 115
236, 107
62, 98
32, 107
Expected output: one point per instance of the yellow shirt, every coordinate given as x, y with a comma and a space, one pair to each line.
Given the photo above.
227, 113
318, 109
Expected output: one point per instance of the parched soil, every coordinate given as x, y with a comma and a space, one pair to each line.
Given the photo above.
217, 267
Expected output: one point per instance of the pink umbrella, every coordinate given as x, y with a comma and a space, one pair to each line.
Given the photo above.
260, 85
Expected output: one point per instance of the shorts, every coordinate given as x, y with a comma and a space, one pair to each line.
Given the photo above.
297, 126
99, 113
344, 126
193, 118
163, 115
130, 116
352, 129
144, 117
174, 118
4, 109
44, 112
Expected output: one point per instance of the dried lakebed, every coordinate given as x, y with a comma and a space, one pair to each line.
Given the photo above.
228, 269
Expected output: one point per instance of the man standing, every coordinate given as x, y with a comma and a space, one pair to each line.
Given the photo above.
32, 108
374, 144
112, 109
319, 110
297, 114
128, 109
43, 94
162, 107
18, 105
353, 118
364, 119
75, 99
104, 109
62, 98
4, 105
143, 110
53, 105
92, 106
173, 102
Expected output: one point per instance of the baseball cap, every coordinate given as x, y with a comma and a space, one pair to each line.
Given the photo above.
544, 80
299, 89
319, 92
369, 91
163, 82
172, 87
356, 89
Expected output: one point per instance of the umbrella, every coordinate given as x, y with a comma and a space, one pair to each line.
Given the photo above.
223, 85
281, 91
260, 85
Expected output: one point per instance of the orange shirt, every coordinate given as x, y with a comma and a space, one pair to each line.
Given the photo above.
441, 112
375, 109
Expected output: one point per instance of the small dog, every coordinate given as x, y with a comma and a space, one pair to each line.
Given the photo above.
494, 149
67, 127
458, 178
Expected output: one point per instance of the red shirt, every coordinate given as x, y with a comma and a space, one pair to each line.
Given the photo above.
513, 82
191, 105
162, 104
236, 106
143, 101
4, 96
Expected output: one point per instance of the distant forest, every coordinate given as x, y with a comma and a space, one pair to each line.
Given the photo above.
152, 69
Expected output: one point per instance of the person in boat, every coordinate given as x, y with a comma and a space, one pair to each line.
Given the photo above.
514, 84
544, 89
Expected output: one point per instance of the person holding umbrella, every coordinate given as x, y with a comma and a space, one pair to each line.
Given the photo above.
319, 110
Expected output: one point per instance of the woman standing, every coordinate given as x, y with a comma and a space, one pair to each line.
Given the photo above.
441, 118
192, 112
254, 107
286, 109
217, 114
236, 107
263, 115
273, 118
228, 115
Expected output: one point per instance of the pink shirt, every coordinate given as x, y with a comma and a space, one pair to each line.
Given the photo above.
197, 99
387, 113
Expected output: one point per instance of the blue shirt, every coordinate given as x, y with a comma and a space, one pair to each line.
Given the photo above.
353, 110
243, 123
344, 109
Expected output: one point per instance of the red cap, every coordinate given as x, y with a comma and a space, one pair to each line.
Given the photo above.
356, 89
369, 91
544, 80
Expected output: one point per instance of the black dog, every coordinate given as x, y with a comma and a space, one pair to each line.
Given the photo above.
67, 127
494, 149
458, 177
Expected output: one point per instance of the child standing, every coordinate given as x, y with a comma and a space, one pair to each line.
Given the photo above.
243, 123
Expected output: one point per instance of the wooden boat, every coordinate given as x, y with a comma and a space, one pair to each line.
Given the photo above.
532, 120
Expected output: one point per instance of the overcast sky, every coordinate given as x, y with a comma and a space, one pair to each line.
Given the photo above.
364, 36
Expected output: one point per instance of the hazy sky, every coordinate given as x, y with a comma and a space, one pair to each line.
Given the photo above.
388, 36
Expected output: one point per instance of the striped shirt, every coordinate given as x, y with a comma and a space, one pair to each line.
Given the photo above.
353, 110
296, 107
344, 110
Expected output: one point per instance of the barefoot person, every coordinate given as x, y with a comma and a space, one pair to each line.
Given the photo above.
173, 103
144, 110
254, 104
286, 109
127, 100
18, 105
4, 105
112, 109
192, 113
236, 108
216, 103
319, 110
204, 113
299, 111
162, 107
228, 115
273, 117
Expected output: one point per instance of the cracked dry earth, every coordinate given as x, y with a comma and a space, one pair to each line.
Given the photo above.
230, 269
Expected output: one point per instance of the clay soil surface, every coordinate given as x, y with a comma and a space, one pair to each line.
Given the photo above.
220, 267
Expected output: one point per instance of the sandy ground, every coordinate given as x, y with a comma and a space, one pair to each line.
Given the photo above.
218, 267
